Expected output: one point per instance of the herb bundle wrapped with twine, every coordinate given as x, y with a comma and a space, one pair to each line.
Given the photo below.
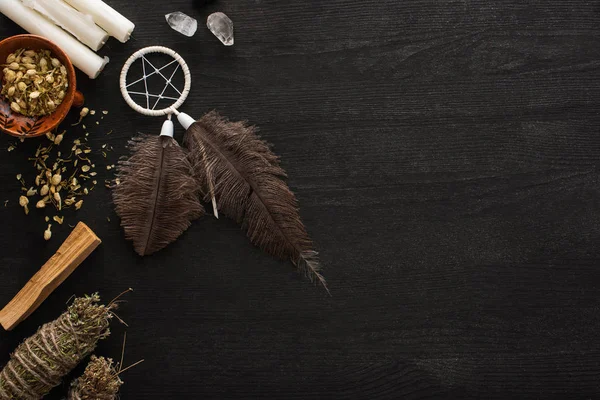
41, 361
100, 381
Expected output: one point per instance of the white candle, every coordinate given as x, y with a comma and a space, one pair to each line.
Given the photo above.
82, 57
79, 25
106, 17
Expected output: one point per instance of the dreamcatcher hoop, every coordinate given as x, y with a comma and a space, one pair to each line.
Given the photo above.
152, 112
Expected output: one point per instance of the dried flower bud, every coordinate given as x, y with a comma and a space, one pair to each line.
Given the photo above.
23, 202
11, 58
84, 112
58, 139
55, 62
10, 76
58, 199
14, 66
43, 62
31, 192
11, 91
29, 66
40, 204
34, 95
48, 232
15, 107
22, 86
56, 179
31, 72
29, 53
85, 168
78, 204
44, 190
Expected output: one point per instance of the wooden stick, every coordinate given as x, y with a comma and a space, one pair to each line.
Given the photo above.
78, 246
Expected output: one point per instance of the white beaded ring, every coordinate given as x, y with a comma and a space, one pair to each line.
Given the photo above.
148, 110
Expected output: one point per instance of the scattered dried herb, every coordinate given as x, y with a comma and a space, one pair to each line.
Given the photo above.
58, 178
82, 114
23, 202
48, 232
64, 175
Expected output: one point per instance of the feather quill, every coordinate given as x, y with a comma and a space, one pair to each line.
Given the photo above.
156, 195
234, 165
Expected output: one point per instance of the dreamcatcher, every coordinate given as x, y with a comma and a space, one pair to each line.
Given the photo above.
227, 164
155, 193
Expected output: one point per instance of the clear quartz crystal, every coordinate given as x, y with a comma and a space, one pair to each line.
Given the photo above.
222, 27
182, 23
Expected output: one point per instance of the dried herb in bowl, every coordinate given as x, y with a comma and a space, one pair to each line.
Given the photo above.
35, 83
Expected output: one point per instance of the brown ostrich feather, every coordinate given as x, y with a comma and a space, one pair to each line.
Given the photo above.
155, 194
239, 169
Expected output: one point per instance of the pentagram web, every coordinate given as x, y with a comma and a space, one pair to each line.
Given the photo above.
148, 70
145, 79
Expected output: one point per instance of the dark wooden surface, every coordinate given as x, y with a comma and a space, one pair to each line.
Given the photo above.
445, 155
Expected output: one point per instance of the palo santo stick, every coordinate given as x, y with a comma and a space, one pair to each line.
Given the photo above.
78, 246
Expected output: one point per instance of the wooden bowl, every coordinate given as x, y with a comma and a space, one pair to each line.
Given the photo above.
26, 127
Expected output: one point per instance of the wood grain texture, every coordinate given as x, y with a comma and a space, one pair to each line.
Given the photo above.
445, 157
75, 249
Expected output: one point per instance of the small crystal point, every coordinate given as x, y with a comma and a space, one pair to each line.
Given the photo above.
182, 23
222, 27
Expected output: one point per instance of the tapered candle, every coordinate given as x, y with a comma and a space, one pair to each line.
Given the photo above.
81, 56
106, 17
79, 25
